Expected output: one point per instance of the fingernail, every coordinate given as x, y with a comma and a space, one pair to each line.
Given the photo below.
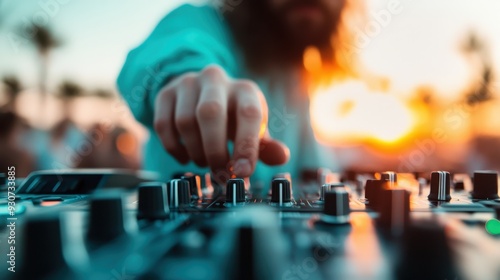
242, 167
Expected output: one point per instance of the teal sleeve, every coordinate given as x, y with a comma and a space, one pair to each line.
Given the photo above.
187, 39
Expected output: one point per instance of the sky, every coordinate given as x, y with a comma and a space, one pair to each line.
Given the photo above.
96, 36
419, 44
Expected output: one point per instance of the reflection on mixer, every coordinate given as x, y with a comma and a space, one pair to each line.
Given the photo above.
325, 230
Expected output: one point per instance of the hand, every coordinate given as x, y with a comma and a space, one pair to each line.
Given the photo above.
197, 113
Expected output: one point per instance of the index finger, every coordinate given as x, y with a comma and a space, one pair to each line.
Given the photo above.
251, 114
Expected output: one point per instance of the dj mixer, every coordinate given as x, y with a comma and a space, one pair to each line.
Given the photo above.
117, 224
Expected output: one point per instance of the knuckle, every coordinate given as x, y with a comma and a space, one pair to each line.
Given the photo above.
213, 72
187, 80
251, 111
162, 97
210, 110
165, 90
185, 121
160, 125
247, 86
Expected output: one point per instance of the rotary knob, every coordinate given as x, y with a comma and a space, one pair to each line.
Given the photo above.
106, 217
235, 191
485, 185
440, 186
284, 175
336, 210
328, 187
153, 203
194, 184
281, 191
497, 211
373, 192
178, 193
425, 253
394, 210
42, 247
390, 176
256, 245
459, 186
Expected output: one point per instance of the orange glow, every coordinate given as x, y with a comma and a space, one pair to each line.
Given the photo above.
350, 112
126, 144
312, 60
262, 130
362, 245
50, 203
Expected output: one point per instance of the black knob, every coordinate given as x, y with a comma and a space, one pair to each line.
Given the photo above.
328, 187
425, 253
459, 186
390, 176
373, 192
194, 184
284, 175
440, 186
106, 217
255, 245
336, 210
235, 191
153, 203
178, 175
349, 176
497, 211
281, 191
42, 247
394, 210
485, 185
178, 193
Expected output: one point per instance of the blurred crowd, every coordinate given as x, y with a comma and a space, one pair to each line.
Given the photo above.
65, 144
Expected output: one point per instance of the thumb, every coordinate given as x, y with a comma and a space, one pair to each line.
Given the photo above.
273, 152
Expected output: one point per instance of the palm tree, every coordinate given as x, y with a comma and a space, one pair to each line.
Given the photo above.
482, 90
12, 87
104, 94
477, 49
44, 41
68, 91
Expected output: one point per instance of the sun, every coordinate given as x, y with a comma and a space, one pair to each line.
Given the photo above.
350, 112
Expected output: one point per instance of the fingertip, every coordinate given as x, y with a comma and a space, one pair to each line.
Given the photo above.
243, 168
286, 152
273, 152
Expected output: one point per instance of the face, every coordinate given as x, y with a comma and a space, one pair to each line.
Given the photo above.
308, 21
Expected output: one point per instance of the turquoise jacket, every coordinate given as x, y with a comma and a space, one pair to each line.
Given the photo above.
188, 39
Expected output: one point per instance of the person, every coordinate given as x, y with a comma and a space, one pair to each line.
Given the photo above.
13, 137
224, 87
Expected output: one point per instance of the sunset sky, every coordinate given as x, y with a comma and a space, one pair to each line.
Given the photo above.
419, 45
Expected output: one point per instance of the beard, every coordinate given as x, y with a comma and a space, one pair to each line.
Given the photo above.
305, 22
273, 37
